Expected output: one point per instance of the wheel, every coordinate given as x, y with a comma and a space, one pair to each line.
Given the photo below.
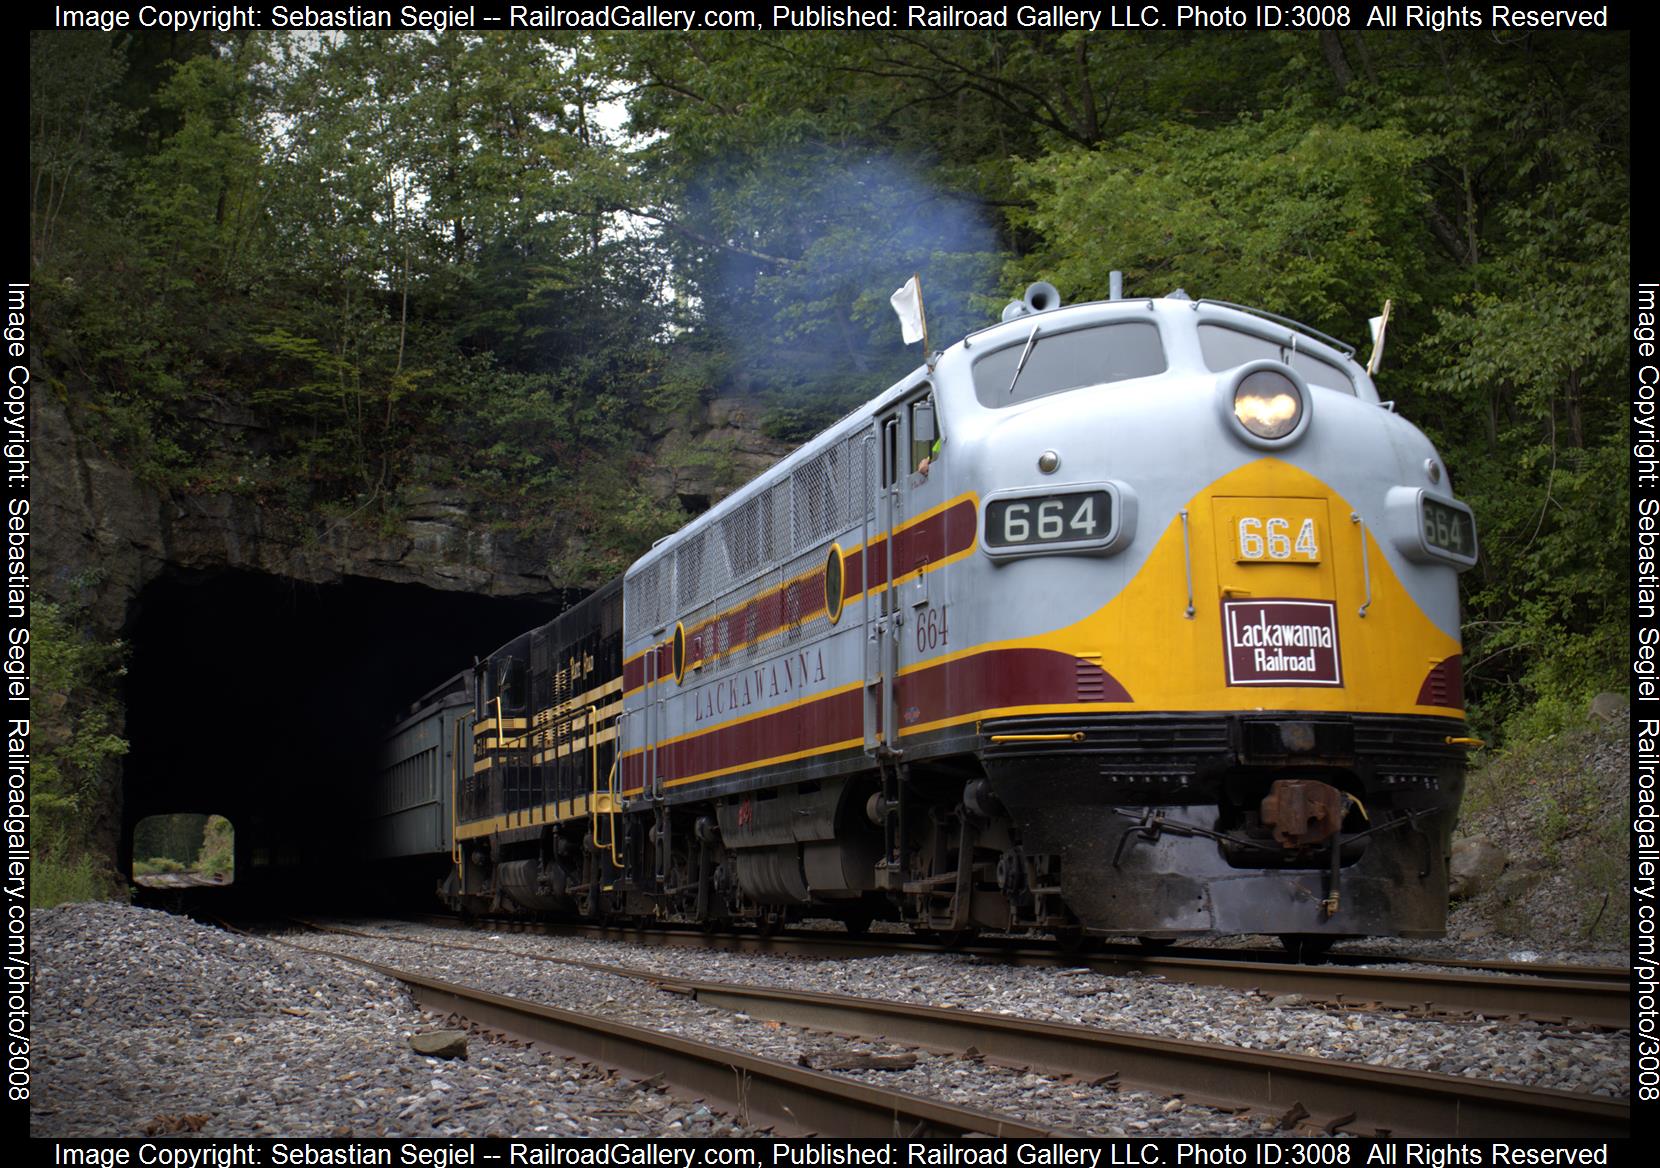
1156, 944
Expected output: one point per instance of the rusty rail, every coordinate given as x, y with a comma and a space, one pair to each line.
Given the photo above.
1591, 995
759, 1092
1356, 1097
1334, 1093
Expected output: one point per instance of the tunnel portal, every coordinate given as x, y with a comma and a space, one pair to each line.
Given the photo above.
262, 699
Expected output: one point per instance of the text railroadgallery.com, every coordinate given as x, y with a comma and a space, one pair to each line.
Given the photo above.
14, 710
1645, 722
810, 1153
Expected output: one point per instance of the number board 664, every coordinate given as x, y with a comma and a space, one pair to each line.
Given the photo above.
1277, 538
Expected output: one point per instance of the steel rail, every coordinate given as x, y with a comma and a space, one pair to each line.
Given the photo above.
760, 1092
1592, 995
1335, 1093
838, 944
1357, 1097
1599, 1003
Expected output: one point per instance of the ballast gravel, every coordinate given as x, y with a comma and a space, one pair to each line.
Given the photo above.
1528, 1053
147, 1023
146, 1019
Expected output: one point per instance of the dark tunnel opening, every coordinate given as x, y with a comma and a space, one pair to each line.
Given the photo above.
263, 699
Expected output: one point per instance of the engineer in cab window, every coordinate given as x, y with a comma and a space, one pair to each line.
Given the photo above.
925, 436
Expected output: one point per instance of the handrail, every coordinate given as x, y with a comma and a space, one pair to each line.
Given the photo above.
1365, 560
610, 801
593, 745
455, 796
609, 843
1343, 347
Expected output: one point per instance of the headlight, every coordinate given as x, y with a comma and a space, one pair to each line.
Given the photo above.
1268, 403
1265, 404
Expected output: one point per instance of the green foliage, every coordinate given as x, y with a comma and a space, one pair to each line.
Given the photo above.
787, 422
1530, 359
184, 842
56, 878
74, 121
218, 855
74, 745
326, 274
1317, 220
74, 738
176, 838
798, 183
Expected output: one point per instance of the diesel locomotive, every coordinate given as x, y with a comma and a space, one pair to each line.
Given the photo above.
1133, 617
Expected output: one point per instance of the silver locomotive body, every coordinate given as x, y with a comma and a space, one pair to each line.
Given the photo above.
1129, 617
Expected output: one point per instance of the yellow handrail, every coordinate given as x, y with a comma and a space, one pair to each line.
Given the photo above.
455, 797
610, 800
1074, 736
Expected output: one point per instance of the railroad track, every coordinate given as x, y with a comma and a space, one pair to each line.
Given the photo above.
1588, 995
761, 1092
1325, 1094
834, 943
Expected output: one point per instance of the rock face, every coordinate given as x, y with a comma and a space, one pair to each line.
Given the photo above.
703, 463
1477, 863
101, 535
1610, 707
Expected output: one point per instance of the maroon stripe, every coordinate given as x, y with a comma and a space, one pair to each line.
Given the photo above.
934, 539
853, 574
986, 681
930, 541
1444, 686
634, 672
1000, 678
795, 603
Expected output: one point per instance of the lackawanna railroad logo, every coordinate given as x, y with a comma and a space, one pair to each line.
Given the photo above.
1281, 642
777, 679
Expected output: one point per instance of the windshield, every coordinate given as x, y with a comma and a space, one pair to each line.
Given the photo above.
1057, 362
1226, 348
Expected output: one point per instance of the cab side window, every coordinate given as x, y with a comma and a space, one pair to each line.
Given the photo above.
510, 683
925, 433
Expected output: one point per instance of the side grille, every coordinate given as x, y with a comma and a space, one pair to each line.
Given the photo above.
1092, 682
1407, 738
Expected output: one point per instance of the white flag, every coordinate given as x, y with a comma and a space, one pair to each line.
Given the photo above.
907, 302
1380, 327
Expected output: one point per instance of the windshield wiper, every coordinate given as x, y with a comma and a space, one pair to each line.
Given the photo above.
1024, 353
